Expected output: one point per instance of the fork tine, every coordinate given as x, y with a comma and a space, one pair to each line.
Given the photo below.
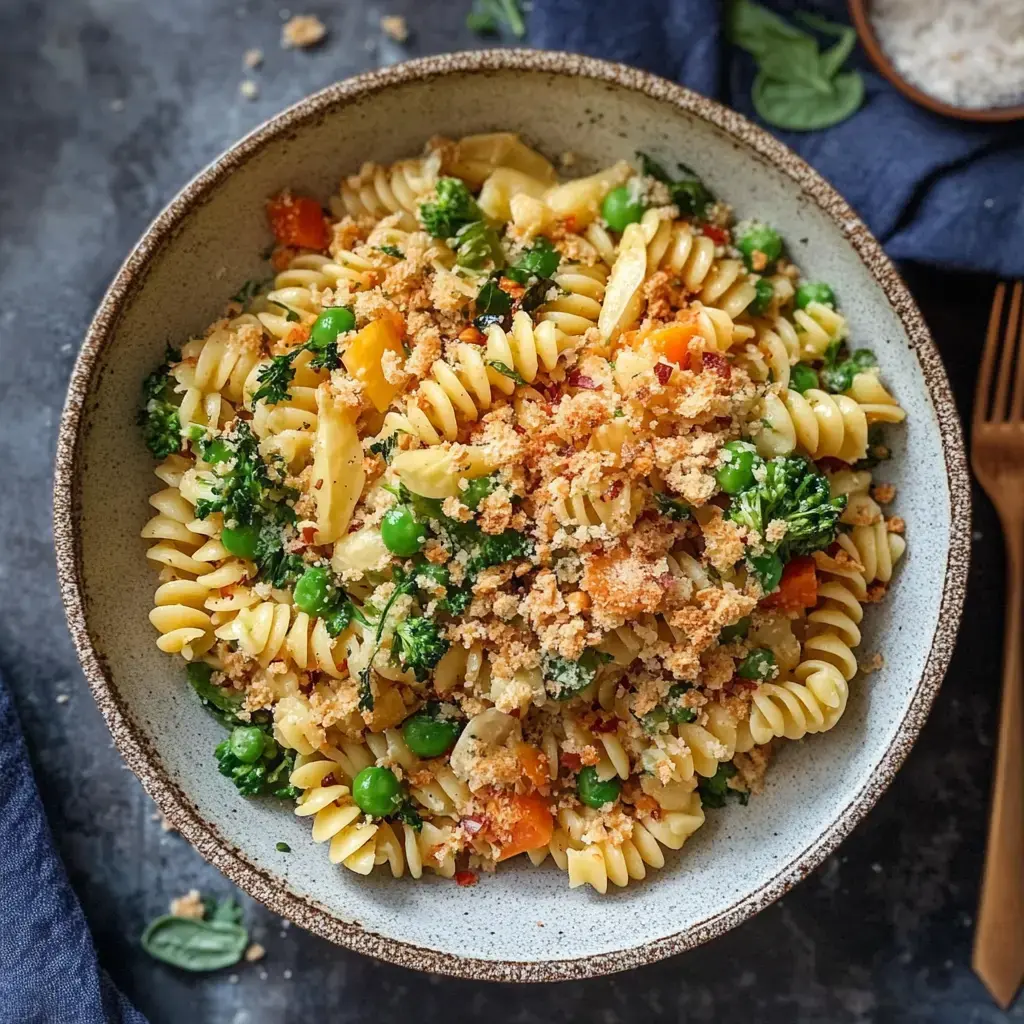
983, 389
999, 405
1017, 407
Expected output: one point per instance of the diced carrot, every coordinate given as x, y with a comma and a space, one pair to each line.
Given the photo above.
717, 235
512, 288
798, 588
471, 336
533, 763
533, 826
465, 878
298, 221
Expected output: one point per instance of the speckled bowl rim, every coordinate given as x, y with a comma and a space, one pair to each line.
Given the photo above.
134, 747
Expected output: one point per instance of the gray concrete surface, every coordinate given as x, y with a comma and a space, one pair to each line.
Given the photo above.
108, 107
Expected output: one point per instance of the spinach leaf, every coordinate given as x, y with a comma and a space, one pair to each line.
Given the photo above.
798, 107
492, 305
507, 371
195, 945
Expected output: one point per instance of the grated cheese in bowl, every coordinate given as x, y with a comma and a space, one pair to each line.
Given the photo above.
968, 53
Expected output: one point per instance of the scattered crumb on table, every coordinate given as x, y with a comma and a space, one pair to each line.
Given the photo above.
62, 698
253, 58
249, 89
255, 952
302, 31
394, 27
190, 905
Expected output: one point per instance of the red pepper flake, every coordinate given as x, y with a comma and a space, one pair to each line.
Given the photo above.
575, 379
465, 878
831, 464
329, 780
717, 364
663, 371
570, 762
518, 429
308, 534
605, 723
717, 235
614, 491
569, 223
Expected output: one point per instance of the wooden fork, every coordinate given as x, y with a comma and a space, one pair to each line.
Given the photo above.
997, 456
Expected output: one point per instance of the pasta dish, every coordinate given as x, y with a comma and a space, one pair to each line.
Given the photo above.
518, 513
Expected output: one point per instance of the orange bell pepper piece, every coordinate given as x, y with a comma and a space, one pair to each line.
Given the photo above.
364, 355
533, 826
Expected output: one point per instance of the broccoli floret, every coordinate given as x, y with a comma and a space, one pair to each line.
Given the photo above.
564, 679
255, 763
713, 791
674, 508
837, 374
276, 566
671, 710
158, 417
499, 548
454, 208
790, 489
243, 491
417, 644
688, 193
222, 702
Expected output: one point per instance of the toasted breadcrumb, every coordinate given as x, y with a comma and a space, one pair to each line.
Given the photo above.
252, 58
248, 89
254, 952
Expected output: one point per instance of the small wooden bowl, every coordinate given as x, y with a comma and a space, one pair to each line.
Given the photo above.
866, 31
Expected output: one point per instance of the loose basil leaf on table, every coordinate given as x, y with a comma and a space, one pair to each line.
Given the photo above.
195, 945
798, 107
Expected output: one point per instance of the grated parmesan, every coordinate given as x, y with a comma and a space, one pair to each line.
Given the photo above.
968, 53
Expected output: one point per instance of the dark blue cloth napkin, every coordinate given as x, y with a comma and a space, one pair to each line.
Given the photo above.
931, 188
48, 968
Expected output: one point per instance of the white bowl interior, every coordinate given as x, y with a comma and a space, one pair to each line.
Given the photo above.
740, 850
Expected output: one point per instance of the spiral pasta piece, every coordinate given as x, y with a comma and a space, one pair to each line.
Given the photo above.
819, 423
377, 191
598, 863
466, 384
577, 308
876, 403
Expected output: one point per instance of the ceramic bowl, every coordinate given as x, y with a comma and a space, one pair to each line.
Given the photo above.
522, 923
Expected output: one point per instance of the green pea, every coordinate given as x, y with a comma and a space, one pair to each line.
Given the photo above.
768, 570
803, 377
241, 540
476, 490
757, 665
736, 473
764, 293
247, 743
592, 791
402, 534
377, 792
734, 632
815, 291
217, 451
621, 207
314, 591
760, 238
329, 324
438, 575
428, 735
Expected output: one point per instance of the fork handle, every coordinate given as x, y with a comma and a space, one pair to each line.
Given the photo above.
999, 935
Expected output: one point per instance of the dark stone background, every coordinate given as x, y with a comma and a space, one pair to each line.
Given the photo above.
109, 106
